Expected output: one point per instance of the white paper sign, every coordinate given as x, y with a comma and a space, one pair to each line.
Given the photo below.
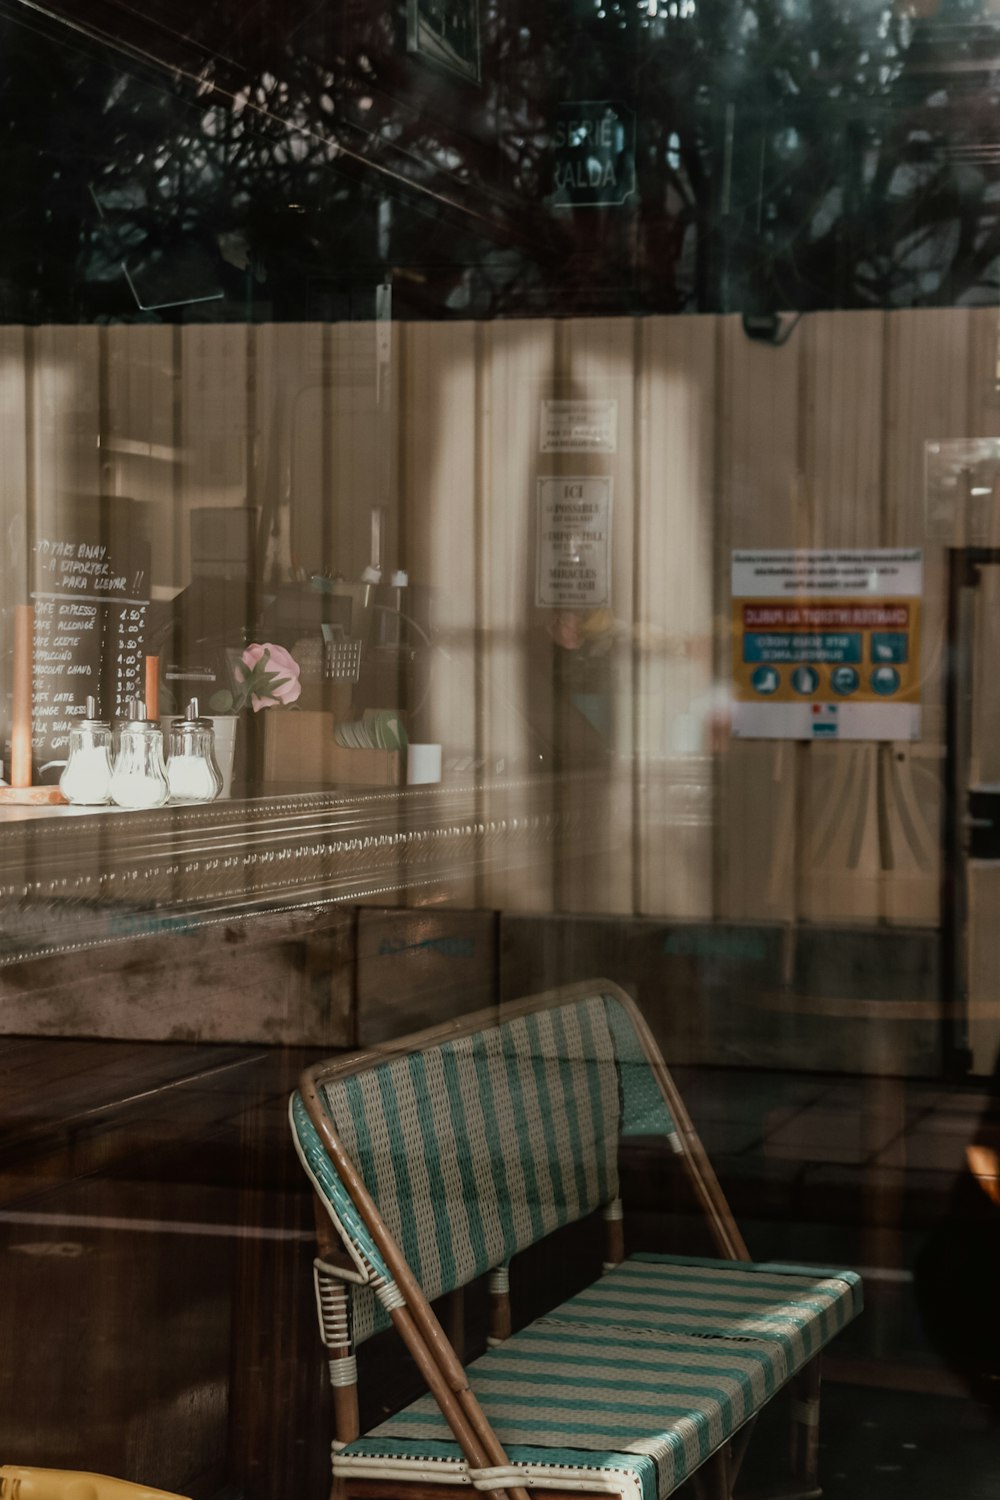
845, 573
579, 427
574, 542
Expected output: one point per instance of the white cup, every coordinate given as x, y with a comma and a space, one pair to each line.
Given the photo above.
423, 764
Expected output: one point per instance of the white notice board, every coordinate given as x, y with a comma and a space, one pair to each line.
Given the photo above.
579, 426
574, 542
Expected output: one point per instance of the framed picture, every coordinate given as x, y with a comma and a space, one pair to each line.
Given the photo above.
445, 32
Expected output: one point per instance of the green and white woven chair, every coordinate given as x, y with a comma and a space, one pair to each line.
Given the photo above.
437, 1159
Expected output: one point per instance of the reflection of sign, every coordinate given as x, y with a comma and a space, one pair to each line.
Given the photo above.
826, 645
447, 32
574, 543
579, 427
593, 154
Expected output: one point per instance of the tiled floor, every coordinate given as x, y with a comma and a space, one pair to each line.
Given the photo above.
902, 1137
888, 1445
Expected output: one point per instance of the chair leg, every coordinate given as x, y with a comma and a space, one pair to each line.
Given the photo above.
500, 1317
712, 1480
738, 1449
614, 1235
805, 1428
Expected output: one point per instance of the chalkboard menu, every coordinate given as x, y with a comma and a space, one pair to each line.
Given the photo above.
91, 601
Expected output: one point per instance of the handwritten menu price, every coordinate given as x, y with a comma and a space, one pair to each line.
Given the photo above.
126, 632
90, 635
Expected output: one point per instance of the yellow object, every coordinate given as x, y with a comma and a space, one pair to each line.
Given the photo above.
598, 623
17, 1483
984, 1165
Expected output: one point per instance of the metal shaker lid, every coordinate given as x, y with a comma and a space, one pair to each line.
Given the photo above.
92, 721
192, 719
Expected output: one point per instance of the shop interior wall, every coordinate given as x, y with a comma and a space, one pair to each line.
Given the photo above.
722, 443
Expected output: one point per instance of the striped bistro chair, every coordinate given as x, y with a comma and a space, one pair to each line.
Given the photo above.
437, 1159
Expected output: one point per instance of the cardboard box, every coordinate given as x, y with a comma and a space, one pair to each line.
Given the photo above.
300, 750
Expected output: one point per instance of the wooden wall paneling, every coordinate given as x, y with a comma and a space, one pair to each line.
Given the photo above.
438, 480
786, 476
289, 411
599, 360
362, 443
984, 371
927, 369
760, 503
673, 549
317, 436
359, 428
215, 371
929, 360
15, 494
140, 452
308, 398
66, 405
67, 388
842, 441
516, 726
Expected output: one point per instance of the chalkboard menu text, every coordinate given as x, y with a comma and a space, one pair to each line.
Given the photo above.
91, 600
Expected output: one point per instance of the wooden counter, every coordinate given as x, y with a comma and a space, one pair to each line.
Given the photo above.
235, 922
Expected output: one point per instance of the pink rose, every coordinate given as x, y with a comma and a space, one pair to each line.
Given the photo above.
280, 664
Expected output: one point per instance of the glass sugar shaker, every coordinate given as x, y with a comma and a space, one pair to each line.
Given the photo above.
139, 778
86, 781
193, 774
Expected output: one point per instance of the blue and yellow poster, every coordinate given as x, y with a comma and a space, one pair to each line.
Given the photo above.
826, 644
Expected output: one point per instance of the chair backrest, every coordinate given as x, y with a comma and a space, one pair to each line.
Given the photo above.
478, 1145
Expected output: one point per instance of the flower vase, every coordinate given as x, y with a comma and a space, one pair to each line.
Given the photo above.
224, 727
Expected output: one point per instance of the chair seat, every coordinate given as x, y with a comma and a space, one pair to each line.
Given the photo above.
628, 1387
